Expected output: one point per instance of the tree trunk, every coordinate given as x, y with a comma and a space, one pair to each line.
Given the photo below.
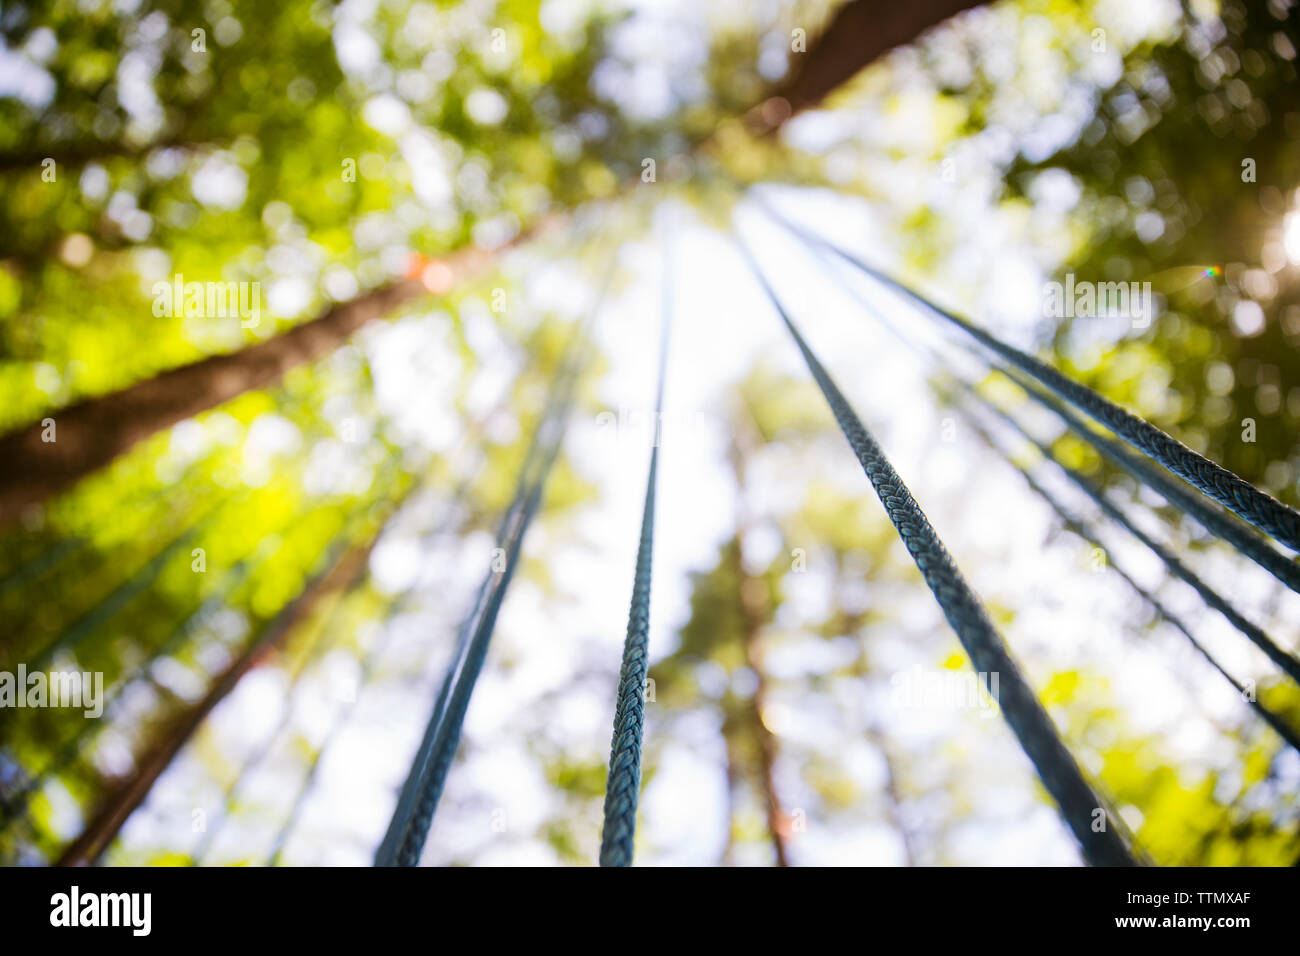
92, 433
893, 792
75, 155
731, 767
115, 811
858, 34
754, 613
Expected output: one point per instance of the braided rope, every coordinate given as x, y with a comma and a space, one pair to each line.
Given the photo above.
386, 855
126, 592
1224, 526
1074, 524
1258, 508
1241, 537
624, 781
1120, 452
322, 641
16, 803
368, 666
1056, 767
369, 663
1210, 596
623, 786
447, 738
1137, 463
413, 816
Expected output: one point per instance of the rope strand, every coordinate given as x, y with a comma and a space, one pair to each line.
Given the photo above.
1056, 767
1208, 594
1074, 524
413, 816
969, 392
623, 785
1258, 508
1226, 528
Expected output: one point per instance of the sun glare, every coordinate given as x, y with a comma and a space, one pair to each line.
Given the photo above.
1291, 235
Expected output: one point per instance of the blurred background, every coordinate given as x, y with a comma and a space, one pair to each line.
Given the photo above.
263, 523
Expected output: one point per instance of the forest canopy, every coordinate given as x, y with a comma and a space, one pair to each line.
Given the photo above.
290, 297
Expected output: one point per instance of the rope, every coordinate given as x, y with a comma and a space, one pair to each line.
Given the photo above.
1211, 597
1056, 767
451, 715
371, 656
35, 566
230, 582
1241, 537
108, 820
369, 662
623, 786
1253, 632
413, 816
1072, 523
1273, 720
1218, 523
341, 717
402, 813
1258, 508
319, 642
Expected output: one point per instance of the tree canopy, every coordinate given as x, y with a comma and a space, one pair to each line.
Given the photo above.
261, 518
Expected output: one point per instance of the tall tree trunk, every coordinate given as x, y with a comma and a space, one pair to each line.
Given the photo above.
92, 433
75, 155
753, 612
858, 34
731, 767
893, 792
115, 811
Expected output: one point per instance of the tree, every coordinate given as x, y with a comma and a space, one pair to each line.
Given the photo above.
97, 430
197, 470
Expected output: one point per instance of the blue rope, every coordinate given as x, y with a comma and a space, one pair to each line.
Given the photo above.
1222, 525
1072, 523
369, 664
1055, 765
413, 816
1255, 634
386, 855
623, 785
1258, 508
318, 644
1288, 663
1211, 597
447, 738
38, 565
16, 803
1241, 537
109, 606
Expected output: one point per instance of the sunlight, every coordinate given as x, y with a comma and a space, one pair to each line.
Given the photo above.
1291, 235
